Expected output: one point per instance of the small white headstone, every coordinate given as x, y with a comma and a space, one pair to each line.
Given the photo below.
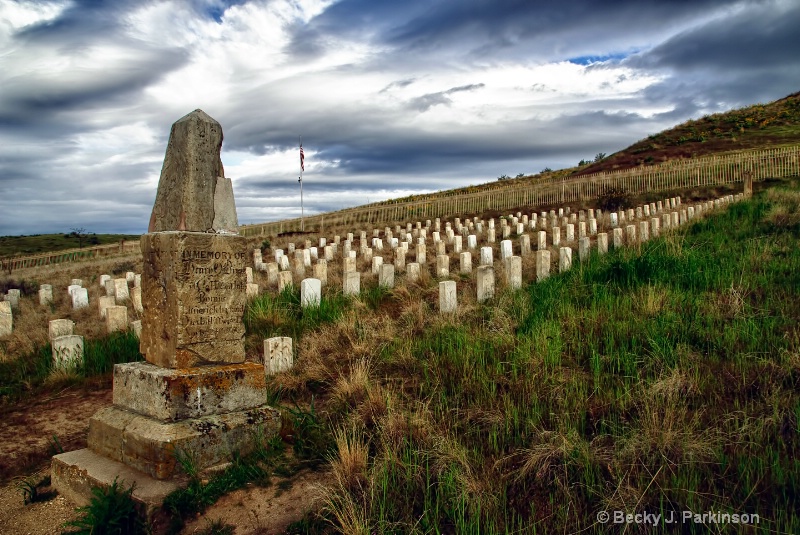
351, 283
272, 273
386, 276
104, 302
448, 297
284, 280
513, 268
6, 319
487, 256
412, 271
542, 264
644, 235
45, 294
136, 327
103, 279
116, 318
616, 235
299, 265
466, 262
457, 244
61, 327
485, 283
583, 249
321, 271
556, 236
278, 355
506, 249
121, 290
251, 290
377, 262
67, 351
630, 234
80, 298
442, 266
564, 259
570, 232
602, 243
310, 292
421, 253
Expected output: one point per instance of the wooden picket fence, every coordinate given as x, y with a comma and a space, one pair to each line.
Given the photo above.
69, 255
668, 176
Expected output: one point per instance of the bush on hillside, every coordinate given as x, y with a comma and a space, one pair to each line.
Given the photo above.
613, 198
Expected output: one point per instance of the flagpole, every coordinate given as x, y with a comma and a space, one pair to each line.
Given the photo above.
300, 179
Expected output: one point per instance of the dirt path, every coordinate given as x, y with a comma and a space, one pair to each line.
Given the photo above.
28, 430
264, 511
26, 446
27, 433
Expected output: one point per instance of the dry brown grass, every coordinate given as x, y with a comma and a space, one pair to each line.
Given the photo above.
32, 319
650, 300
346, 498
785, 210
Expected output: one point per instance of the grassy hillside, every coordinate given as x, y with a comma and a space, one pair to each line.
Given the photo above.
751, 127
661, 380
658, 379
45, 243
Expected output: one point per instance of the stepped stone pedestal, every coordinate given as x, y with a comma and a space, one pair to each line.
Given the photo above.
195, 394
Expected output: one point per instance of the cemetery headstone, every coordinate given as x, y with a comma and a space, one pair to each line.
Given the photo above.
278, 355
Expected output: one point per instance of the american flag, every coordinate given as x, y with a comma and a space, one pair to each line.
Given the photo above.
302, 159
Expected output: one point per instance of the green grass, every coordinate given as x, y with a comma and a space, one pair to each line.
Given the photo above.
661, 379
28, 374
267, 459
111, 511
45, 243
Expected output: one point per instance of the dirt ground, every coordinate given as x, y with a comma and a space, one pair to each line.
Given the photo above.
25, 450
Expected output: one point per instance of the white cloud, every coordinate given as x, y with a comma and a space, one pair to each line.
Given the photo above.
392, 99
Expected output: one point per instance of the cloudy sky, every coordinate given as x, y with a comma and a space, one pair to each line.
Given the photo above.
391, 97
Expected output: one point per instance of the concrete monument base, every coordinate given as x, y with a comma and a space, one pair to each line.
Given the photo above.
74, 474
207, 413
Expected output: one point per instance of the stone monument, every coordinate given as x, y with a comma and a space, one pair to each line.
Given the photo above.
195, 394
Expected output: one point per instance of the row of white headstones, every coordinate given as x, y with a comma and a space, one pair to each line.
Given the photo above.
642, 223
67, 347
282, 272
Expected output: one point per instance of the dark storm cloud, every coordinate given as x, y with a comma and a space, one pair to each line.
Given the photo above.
25, 100
750, 56
757, 37
484, 29
425, 102
408, 133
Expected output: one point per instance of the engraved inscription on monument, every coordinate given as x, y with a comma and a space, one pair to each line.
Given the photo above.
216, 306
194, 284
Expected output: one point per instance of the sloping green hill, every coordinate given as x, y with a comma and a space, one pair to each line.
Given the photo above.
753, 127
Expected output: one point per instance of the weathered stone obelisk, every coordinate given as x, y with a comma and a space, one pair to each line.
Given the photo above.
195, 393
